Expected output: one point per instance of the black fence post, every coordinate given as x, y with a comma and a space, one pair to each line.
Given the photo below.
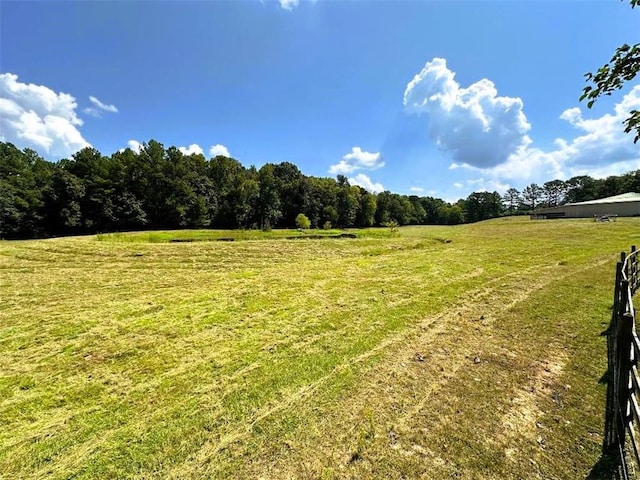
624, 337
610, 443
634, 269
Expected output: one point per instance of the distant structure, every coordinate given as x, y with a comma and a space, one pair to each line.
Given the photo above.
625, 205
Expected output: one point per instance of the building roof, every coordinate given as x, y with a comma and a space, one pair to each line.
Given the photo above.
622, 198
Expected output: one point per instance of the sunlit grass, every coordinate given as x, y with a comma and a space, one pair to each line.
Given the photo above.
435, 351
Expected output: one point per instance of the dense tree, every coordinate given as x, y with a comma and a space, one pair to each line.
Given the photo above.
482, 206
292, 191
400, 209
321, 193
553, 192
432, 207
367, 209
581, 189
63, 198
228, 178
418, 213
269, 205
20, 192
450, 214
631, 182
623, 67
383, 201
160, 187
348, 202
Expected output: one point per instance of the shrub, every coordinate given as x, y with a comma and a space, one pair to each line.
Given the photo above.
327, 225
392, 224
302, 221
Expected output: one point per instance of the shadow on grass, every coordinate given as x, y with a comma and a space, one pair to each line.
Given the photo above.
607, 467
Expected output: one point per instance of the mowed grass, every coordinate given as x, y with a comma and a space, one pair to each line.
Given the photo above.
469, 352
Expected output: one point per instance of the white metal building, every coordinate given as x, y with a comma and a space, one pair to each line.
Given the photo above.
625, 205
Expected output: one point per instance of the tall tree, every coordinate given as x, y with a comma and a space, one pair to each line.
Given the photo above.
269, 207
554, 192
367, 210
511, 200
92, 169
348, 202
291, 188
531, 196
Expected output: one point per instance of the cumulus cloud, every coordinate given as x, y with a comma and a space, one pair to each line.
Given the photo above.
416, 189
35, 116
599, 150
365, 182
133, 145
289, 4
603, 139
193, 148
488, 134
473, 124
99, 107
218, 149
357, 160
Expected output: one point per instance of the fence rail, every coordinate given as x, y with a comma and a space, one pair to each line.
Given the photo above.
623, 407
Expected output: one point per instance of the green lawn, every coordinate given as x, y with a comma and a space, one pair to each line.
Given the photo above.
435, 352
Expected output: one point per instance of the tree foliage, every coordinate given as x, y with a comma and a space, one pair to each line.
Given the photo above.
623, 67
162, 188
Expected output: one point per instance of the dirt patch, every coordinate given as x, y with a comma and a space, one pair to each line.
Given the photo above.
522, 419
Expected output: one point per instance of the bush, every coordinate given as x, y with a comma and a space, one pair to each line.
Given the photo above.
392, 224
302, 221
327, 225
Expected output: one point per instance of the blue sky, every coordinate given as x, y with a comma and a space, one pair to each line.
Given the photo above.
432, 98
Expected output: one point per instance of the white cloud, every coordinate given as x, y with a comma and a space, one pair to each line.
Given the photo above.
193, 148
603, 139
365, 182
601, 150
605, 170
416, 189
486, 133
99, 107
218, 149
490, 185
458, 184
133, 145
37, 117
289, 4
103, 106
474, 125
357, 160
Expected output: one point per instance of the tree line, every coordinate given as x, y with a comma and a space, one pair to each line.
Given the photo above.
162, 188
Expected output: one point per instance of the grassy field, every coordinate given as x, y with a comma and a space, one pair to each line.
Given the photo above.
437, 352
